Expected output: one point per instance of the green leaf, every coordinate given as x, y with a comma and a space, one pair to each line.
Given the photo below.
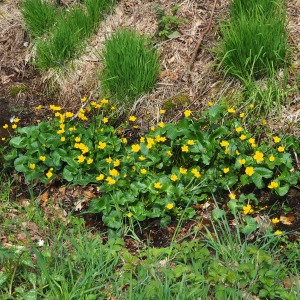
21, 164
113, 220
3, 278
69, 173
283, 190
18, 142
218, 213
257, 180
232, 205
250, 226
264, 172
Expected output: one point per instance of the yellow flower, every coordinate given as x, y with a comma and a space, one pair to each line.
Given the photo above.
72, 128
39, 107
32, 166
226, 170
249, 171
110, 180
135, 148
143, 171
232, 196
182, 170
83, 99
114, 172
152, 128
273, 185
251, 141
14, 126
226, 150
123, 140
185, 148
170, 206
278, 232
275, 220
108, 160
102, 145
162, 111
157, 185
231, 110
69, 114
264, 122
196, 173
174, 177
238, 129
187, 113
224, 144
247, 209
242, 161
271, 158
161, 124
169, 153
142, 157
242, 115
100, 177
210, 103
42, 158
81, 158
89, 161
142, 139
105, 120
258, 156
251, 105
276, 139
113, 108
104, 101
280, 149
77, 139
49, 174
16, 120
132, 118
3, 139
237, 152
243, 137
117, 163
62, 139
129, 215
190, 142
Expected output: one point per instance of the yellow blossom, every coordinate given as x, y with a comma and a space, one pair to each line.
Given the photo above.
251, 141
182, 170
81, 158
142, 157
210, 103
238, 129
72, 128
5, 126
161, 124
157, 185
152, 128
132, 118
249, 171
104, 101
77, 139
14, 126
258, 156
190, 142
231, 110
39, 107
105, 120
237, 152
242, 161
129, 215
232, 196
142, 139
113, 108
16, 120
62, 139
174, 177
251, 105
169, 153
226, 170
42, 158
100, 177
170, 206
185, 148
247, 209
49, 174
280, 149
69, 114
242, 115
3, 139
143, 171
224, 144
162, 111
114, 172
196, 173
276, 139
108, 160
278, 232
226, 150
243, 137
123, 140
264, 122
83, 99
110, 180
32, 166
117, 163
275, 220
102, 145
187, 113
135, 148
273, 185
89, 161
271, 158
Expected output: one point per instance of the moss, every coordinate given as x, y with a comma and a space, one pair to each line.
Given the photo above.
16, 89
178, 101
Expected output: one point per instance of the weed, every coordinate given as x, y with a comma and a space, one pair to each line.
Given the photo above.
130, 67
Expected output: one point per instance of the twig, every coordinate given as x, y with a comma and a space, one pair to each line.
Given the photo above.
202, 37
83, 105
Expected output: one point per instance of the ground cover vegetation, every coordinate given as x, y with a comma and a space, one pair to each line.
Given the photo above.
222, 157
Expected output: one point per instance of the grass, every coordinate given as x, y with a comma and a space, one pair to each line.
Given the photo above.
253, 45
68, 36
39, 16
130, 67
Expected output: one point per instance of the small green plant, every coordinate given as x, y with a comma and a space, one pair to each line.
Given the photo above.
39, 16
254, 44
168, 24
130, 67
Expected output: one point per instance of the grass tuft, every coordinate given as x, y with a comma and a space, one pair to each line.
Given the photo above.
130, 66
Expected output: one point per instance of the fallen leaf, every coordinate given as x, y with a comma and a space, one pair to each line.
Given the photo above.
287, 220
